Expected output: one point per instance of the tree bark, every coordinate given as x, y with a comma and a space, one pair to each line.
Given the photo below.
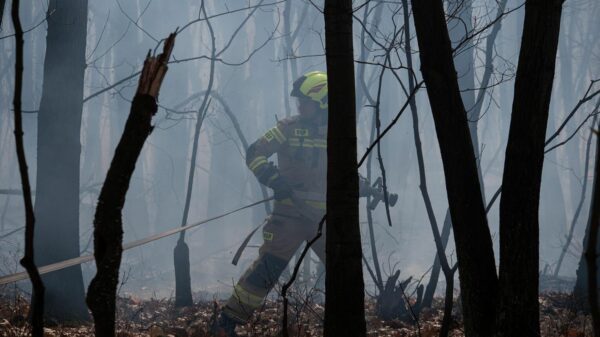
519, 204
58, 158
2, 3
344, 300
591, 254
478, 281
181, 253
587, 270
108, 227
28, 261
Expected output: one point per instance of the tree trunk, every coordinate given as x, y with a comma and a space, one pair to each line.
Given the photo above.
478, 281
181, 254
459, 27
519, 204
28, 261
581, 290
344, 285
591, 252
108, 226
2, 3
571, 228
58, 158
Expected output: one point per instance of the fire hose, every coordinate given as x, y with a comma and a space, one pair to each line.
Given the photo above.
86, 258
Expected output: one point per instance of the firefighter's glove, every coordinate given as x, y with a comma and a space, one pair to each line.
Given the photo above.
281, 188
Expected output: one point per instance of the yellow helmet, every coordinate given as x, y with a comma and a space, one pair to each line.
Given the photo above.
312, 85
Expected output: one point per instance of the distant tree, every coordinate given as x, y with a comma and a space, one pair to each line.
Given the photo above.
58, 157
181, 253
344, 285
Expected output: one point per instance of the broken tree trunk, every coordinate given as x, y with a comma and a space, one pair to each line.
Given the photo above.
37, 306
108, 227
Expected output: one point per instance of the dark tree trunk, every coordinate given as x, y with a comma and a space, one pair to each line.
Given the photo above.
2, 3
437, 265
591, 252
582, 290
519, 222
344, 285
108, 226
28, 261
58, 158
459, 27
478, 281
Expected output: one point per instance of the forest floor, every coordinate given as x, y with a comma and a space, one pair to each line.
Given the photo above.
157, 318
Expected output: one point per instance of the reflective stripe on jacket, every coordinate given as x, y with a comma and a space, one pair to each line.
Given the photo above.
301, 148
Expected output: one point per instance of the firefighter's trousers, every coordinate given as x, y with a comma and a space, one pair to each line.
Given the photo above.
284, 232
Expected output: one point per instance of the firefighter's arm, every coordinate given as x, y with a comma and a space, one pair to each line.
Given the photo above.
258, 153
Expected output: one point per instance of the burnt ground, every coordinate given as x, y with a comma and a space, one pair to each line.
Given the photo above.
159, 317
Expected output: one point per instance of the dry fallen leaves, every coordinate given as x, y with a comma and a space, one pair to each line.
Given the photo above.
159, 318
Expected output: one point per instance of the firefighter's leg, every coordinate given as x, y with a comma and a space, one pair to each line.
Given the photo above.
281, 240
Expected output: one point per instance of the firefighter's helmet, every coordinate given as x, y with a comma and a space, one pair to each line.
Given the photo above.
312, 85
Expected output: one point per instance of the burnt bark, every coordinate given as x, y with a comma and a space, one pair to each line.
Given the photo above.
58, 158
478, 281
108, 226
519, 204
344, 302
28, 261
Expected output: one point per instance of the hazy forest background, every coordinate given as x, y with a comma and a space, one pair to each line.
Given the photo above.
260, 47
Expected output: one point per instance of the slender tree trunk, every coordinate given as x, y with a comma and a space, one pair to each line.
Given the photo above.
519, 204
181, 254
344, 300
569, 236
58, 157
28, 260
437, 265
440, 243
478, 281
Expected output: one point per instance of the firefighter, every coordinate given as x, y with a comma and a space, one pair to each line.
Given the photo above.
299, 183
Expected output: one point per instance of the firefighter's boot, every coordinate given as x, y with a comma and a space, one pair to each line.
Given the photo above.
224, 326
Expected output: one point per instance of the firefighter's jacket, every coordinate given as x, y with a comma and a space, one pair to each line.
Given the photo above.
301, 148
